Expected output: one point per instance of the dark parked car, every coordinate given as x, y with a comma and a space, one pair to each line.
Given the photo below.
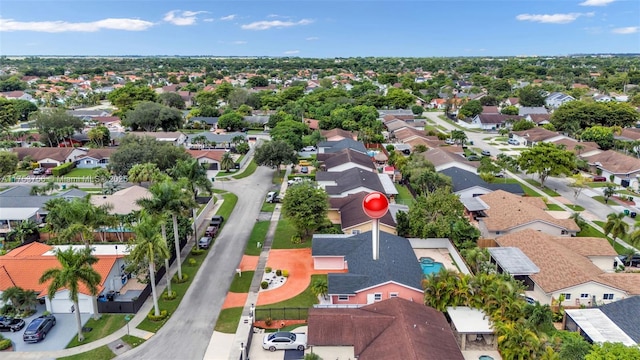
216, 220
38, 328
9, 324
304, 170
635, 260
599, 179
473, 158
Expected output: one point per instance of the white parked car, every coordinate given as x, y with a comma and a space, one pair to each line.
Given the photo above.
309, 149
284, 340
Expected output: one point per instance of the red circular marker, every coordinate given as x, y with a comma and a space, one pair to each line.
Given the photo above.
375, 205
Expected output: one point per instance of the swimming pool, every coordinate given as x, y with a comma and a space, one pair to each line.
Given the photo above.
429, 266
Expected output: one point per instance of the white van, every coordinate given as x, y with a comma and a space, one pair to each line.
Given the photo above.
272, 197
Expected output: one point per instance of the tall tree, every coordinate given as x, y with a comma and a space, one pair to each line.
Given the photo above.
275, 153
146, 172
8, 163
76, 268
128, 96
55, 126
547, 159
144, 149
306, 206
227, 162
151, 116
171, 99
101, 176
531, 96
148, 248
616, 226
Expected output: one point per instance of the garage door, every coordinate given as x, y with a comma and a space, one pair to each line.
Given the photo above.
63, 306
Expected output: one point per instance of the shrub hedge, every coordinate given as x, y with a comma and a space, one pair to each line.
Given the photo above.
63, 169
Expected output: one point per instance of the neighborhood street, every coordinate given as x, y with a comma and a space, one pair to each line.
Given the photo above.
187, 333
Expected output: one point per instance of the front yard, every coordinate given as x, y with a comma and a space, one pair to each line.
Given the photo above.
106, 325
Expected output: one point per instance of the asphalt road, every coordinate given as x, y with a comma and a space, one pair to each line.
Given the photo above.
187, 333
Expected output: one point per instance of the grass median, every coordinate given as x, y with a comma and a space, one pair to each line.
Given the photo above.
101, 353
258, 234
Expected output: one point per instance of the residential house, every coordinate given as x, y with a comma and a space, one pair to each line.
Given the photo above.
580, 148
345, 159
468, 184
122, 202
439, 104
443, 159
349, 214
401, 114
386, 330
95, 158
512, 101
213, 140
625, 169
18, 205
596, 327
50, 157
509, 213
176, 138
209, 121
629, 134
554, 100
256, 120
539, 119
355, 180
602, 98
24, 265
622, 314
428, 141
211, 159
313, 124
490, 121
88, 115
536, 135
396, 272
338, 134
490, 110
335, 146
570, 267
17, 95
406, 134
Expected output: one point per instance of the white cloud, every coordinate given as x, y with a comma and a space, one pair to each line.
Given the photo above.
312, 38
64, 26
596, 2
239, 42
552, 18
291, 52
208, 20
228, 17
266, 25
182, 19
626, 30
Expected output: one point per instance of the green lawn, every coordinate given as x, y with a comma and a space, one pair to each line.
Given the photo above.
282, 237
248, 171
626, 192
595, 233
278, 177
268, 207
106, 325
530, 192
546, 190
600, 199
101, 353
242, 283
179, 289
555, 207
404, 196
589, 231
599, 223
258, 234
228, 320
133, 341
80, 173
306, 299
598, 184
227, 206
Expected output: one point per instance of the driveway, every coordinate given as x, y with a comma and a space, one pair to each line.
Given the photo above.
57, 339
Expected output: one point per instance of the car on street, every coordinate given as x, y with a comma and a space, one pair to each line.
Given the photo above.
304, 170
204, 242
38, 328
211, 231
10, 324
39, 171
295, 180
599, 179
216, 220
284, 340
272, 196
513, 141
486, 153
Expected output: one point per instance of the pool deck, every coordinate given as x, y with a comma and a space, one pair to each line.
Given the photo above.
438, 255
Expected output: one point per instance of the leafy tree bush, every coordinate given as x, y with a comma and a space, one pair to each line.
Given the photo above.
523, 124
306, 207
63, 169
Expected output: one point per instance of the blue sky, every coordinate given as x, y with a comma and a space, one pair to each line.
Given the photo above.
319, 28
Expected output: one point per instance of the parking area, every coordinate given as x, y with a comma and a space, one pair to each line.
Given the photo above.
258, 353
57, 339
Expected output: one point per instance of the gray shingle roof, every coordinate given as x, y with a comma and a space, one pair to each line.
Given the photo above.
397, 262
462, 179
335, 146
218, 138
350, 179
18, 197
347, 155
624, 313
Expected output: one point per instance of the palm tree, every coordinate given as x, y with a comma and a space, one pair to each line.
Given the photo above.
76, 268
140, 173
23, 231
227, 162
616, 226
196, 176
320, 288
13, 295
148, 247
608, 192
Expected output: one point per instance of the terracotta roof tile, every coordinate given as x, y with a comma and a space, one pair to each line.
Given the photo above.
507, 211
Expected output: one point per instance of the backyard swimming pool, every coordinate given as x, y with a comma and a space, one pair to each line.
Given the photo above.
429, 266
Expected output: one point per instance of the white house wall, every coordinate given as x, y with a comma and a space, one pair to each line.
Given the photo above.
592, 289
605, 263
61, 304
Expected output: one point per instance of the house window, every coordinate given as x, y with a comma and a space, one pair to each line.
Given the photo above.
564, 232
87, 161
355, 232
567, 296
343, 298
497, 232
584, 296
393, 294
608, 297
377, 296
